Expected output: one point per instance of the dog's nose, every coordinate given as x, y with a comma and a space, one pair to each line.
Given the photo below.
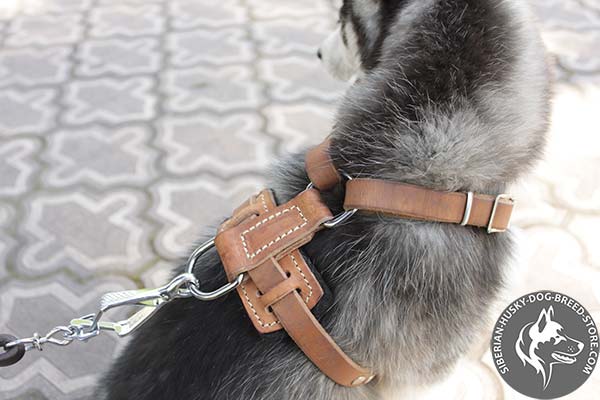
319, 54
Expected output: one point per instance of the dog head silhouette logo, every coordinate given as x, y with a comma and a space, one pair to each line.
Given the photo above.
544, 343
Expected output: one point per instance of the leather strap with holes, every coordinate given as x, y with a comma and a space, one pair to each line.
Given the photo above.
411, 201
262, 240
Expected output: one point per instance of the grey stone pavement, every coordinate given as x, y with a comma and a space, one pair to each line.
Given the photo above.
126, 125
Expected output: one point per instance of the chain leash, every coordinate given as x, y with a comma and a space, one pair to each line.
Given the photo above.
185, 285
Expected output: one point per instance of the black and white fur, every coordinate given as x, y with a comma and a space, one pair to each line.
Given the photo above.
450, 94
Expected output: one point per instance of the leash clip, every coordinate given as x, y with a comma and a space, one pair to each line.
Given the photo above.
151, 299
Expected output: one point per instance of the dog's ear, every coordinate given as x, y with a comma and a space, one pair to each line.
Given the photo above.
544, 318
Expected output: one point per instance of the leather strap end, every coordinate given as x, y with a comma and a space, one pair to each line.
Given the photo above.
306, 331
319, 167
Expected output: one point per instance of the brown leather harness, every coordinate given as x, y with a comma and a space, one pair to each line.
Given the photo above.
261, 243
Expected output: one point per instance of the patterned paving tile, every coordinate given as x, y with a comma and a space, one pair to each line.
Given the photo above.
187, 14
35, 7
27, 112
299, 125
17, 166
293, 78
218, 47
100, 157
283, 36
573, 49
109, 100
30, 67
196, 144
134, 2
586, 230
116, 56
126, 20
159, 274
567, 14
7, 243
81, 231
211, 88
44, 30
187, 207
270, 9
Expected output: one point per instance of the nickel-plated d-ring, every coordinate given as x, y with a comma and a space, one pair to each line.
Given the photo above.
342, 217
215, 294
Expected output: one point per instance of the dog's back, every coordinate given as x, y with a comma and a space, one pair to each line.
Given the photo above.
453, 95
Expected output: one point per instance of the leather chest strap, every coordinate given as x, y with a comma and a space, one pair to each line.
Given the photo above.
416, 202
302, 326
280, 289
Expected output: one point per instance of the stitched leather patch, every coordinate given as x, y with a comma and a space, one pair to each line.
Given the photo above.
288, 284
266, 232
262, 230
269, 230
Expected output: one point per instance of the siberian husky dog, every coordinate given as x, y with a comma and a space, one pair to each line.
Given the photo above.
450, 94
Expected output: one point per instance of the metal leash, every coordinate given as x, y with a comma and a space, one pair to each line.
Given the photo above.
88, 326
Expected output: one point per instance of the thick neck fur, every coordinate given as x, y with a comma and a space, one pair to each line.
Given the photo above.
458, 101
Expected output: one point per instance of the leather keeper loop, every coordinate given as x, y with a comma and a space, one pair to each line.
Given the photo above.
281, 290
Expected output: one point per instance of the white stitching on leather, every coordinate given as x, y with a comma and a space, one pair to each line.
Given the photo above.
304, 278
264, 202
276, 322
260, 321
279, 237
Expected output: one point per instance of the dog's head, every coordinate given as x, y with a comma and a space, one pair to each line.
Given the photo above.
452, 95
355, 46
544, 343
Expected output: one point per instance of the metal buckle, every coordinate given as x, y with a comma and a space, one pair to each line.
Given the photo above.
223, 290
490, 228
